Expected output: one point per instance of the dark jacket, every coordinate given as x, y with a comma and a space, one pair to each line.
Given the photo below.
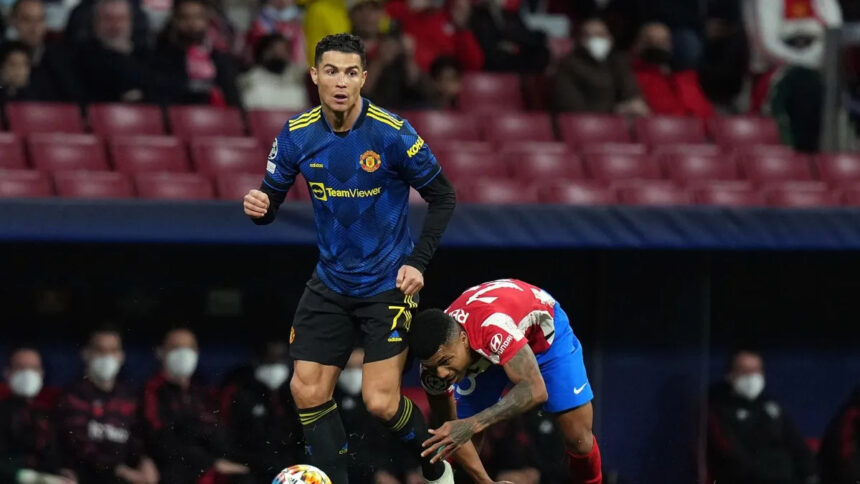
52, 77
584, 85
107, 74
493, 26
175, 85
840, 447
754, 442
28, 438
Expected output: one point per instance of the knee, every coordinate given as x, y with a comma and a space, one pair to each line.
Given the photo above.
381, 404
309, 393
579, 440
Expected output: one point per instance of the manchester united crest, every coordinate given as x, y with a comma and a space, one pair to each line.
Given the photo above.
370, 161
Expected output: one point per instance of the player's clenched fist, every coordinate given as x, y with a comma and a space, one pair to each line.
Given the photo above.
256, 203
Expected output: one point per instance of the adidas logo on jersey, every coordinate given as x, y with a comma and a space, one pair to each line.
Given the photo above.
395, 337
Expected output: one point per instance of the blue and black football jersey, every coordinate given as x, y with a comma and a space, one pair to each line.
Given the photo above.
359, 185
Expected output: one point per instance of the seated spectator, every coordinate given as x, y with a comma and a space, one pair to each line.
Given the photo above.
51, 77
595, 77
437, 32
282, 17
111, 65
184, 436
508, 45
750, 439
375, 455
446, 82
666, 91
15, 72
686, 21
393, 78
192, 71
99, 419
274, 82
840, 447
80, 26
263, 427
724, 66
323, 17
29, 451
787, 49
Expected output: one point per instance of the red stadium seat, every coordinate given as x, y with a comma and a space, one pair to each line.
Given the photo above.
299, 192
519, 126
620, 166
579, 129
576, 192
801, 194
188, 121
544, 165
689, 168
657, 130
26, 118
850, 194
126, 119
173, 186
462, 165
226, 154
234, 186
839, 168
624, 148
734, 194
266, 124
771, 168
12, 152
138, 154
484, 92
744, 130
495, 191
662, 151
436, 126
55, 152
24, 184
93, 184
653, 193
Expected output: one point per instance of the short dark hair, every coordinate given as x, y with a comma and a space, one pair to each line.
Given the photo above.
430, 330
443, 63
730, 363
104, 328
12, 46
346, 43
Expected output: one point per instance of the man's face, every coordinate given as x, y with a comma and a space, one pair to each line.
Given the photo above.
656, 36
104, 344
339, 76
452, 360
594, 28
180, 338
113, 22
365, 19
192, 21
25, 360
448, 83
29, 21
15, 70
747, 364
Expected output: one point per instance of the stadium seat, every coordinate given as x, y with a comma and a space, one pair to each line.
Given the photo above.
138, 154
575, 192
531, 166
126, 119
173, 186
188, 121
234, 186
299, 192
93, 184
662, 151
465, 165
840, 168
484, 92
265, 124
228, 154
736, 131
24, 184
801, 194
730, 194
12, 152
608, 167
771, 168
851, 195
33, 117
653, 193
519, 126
624, 148
657, 130
55, 152
436, 126
689, 168
579, 129
484, 190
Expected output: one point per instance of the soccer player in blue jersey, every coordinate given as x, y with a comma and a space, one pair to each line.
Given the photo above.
359, 162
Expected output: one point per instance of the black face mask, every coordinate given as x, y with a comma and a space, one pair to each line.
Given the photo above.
276, 65
656, 55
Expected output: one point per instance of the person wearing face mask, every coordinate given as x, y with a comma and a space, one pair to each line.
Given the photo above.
183, 432
666, 91
29, 451
260, 417
282, 17
99, 419
750, 439
274, 82
594, 77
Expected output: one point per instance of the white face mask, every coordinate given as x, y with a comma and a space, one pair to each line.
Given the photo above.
288, 14
180, 362
350, 380
273, 375
749, 386
26, 383
598, 47
103, 368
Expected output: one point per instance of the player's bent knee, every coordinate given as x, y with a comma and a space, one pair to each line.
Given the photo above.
309, 395
382, 405
579, 440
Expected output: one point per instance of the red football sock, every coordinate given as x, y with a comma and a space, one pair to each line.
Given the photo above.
585, 469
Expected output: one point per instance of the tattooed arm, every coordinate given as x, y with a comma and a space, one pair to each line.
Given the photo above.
529, 390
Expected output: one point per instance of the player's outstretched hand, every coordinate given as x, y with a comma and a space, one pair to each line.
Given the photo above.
447, 439
256, 203
409, 280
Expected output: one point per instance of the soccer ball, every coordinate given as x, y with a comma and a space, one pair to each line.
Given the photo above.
301, 474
